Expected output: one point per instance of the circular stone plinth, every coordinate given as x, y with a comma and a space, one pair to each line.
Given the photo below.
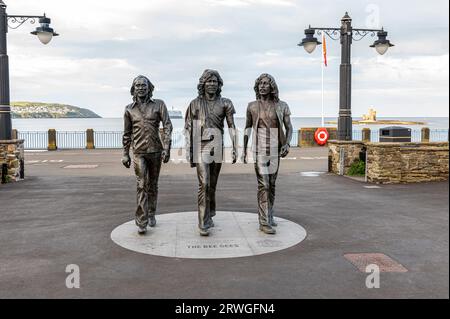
235, 234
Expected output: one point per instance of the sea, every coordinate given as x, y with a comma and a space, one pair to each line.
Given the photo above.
116, 124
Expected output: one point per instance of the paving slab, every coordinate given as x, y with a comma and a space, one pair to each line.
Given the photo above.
58, 217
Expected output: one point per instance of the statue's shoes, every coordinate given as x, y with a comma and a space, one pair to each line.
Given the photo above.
267, 229
142, 230
273, 223
152, 221
204, 232
209, 223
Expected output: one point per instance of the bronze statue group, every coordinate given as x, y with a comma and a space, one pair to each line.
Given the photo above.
268, 119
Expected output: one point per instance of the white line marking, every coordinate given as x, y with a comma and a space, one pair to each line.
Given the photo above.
311, 174
313, 158
81, 166
31, 162
43, 161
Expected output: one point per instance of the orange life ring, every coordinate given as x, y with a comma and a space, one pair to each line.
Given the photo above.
321, 136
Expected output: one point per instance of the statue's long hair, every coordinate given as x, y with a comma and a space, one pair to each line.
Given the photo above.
151, 87
204, 78
273, 85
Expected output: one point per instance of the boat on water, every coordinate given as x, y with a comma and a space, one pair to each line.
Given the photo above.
175, 114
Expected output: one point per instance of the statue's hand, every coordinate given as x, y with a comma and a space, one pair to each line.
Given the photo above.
284, 150
165, 156
234, 155
126, 161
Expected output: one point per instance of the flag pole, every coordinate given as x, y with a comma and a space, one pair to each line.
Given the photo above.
322, 64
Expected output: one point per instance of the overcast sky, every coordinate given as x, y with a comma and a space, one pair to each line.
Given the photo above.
104, 44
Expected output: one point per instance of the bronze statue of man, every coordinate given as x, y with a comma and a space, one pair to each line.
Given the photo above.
204, 129
141, 132
269, 119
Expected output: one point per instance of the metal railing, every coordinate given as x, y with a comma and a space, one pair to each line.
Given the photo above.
439, 136
294, 141
113, 139
416, 136
357, 135
178, 139
34, 140
108, 139
71, 140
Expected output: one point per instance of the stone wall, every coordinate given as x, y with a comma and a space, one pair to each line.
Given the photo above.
11, 155
306, 136
391, 163
350, 150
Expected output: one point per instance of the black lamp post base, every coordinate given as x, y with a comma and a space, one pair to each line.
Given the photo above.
344, 132
5, 123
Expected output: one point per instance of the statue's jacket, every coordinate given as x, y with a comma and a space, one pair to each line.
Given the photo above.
252, 119
141, 127
198, 119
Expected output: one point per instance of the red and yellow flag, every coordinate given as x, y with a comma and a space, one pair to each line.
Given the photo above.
324, 49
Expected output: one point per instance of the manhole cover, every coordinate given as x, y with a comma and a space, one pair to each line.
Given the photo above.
385, 263
235, 234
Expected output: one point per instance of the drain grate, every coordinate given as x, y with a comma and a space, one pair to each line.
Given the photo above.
385, 263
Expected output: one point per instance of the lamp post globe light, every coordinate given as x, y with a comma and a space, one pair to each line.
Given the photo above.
346, 34
43, 32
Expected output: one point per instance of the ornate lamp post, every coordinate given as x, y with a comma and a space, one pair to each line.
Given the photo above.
43, 32
346, 34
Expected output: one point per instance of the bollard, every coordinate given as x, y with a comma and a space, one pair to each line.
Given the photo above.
4, 173
366, 134
90, 143
330, 164
52, 146
14, 134
22, 169
425, 135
